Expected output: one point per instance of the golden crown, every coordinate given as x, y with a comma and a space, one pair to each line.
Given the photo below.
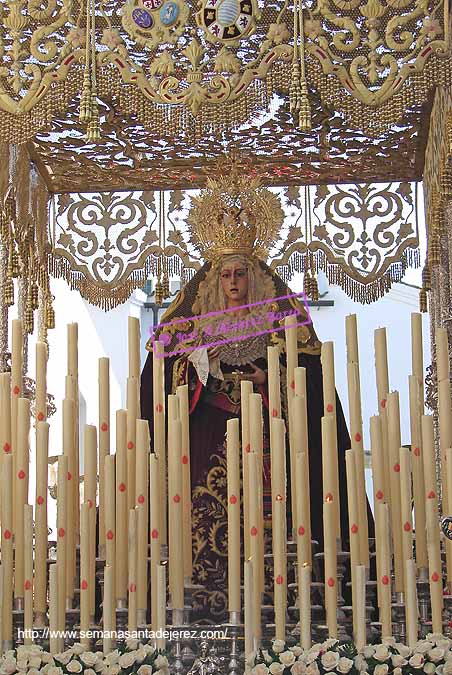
234, 213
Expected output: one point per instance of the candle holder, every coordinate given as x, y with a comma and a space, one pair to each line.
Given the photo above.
399, 623
121, 615
423, 594
177, 621
208, 662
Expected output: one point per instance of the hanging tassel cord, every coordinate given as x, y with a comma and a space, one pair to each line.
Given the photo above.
304, 113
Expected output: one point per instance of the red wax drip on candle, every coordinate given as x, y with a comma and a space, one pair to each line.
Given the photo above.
184, 459
233, 499
329, 408
253, 531
331, 582
130, 445
122, 487
40, 500
84, 585
110, 535
385, 580
140, 499
159, 408
176, 499
21, 474
354, 528
301, 530
104, 427
154, 534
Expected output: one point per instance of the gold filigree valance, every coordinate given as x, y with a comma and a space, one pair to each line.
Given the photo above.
363, 236
211, 65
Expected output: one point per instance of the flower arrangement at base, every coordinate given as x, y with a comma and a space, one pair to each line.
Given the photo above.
432, 656
132, 658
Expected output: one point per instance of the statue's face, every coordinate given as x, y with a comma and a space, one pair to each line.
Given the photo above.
234, 280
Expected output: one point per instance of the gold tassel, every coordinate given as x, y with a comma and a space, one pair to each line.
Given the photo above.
49, 316
427, 277
158, 295
165, 286
9, 292
304, 117
423, 300
434, 252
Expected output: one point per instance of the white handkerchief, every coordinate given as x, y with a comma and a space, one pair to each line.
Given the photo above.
200, 360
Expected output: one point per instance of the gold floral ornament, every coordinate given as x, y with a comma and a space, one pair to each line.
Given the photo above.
234, 214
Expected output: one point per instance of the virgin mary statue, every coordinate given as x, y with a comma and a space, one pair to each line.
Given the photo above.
233, 224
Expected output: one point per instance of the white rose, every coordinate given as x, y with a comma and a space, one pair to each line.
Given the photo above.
260, 669
417, 661
34, 662
132, 643
287, 658
436, 654
360, 662
398, 661
161, 661
74, 666
149, 649
145, 670
430, 668
33, 671
344, 665
329, 643
63, 657
381, 669
162, 671
77, 648
397, 671
390, 641
447, 670
444, 643
278, 646
368, 651
88, 658
140, 654
330, 660
46, 657
423, 646
55, 670
115, 669
312, 669
276, 668
112, 657
297, 650
22, 664
298, 668
403, 649
89, 671
381, 653
127, 660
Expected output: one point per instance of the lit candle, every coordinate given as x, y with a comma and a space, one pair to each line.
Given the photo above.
330, 471
104, 442
290, 323
356, 433
279, 534
442, 354
182, 395
142, 501
7, 549
41, 382
360, 581
161, 606
255, 524
90, 497
108, 613
246, 388
132, 416
354, 531
62, 512
411, 606
69, 452
406, 504
21, 491
55, 640
396, 515
330, 553
134, 346
382, 542
158, 379
132, 556
28, 566
154, 471
329, 411
416, 410
121, 506
175, 535
304, 576
233, 476
41, 536
85, 579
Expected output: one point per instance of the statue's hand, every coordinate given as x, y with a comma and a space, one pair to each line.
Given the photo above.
256, 377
